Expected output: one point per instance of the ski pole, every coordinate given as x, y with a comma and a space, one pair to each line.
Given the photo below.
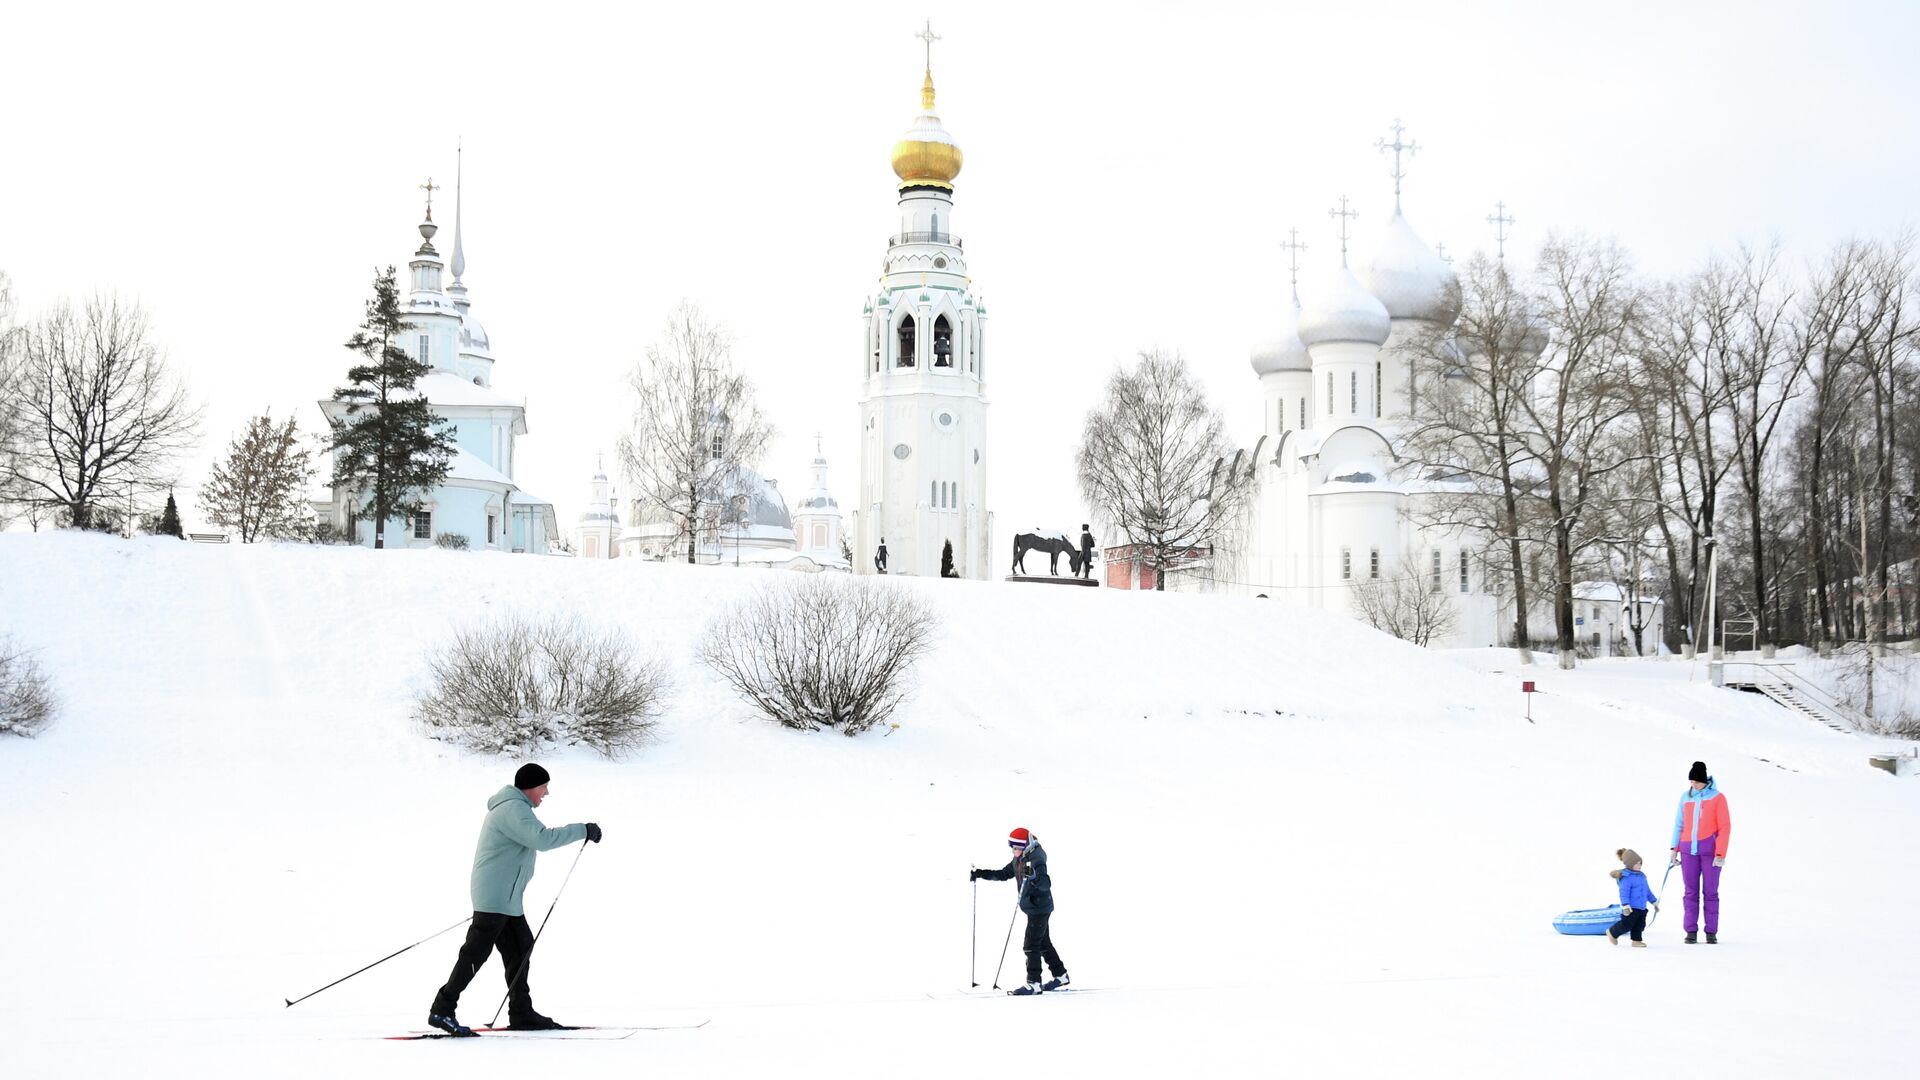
1656, 896
528, 959
1004, 944
973, 943
295, 1001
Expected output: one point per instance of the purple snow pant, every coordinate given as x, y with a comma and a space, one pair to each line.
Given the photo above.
1701, 876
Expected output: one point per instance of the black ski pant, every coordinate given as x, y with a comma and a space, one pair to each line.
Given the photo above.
1038, 944
1633, 920
490, 930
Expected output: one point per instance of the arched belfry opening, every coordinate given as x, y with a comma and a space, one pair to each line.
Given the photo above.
906, 341
942, 342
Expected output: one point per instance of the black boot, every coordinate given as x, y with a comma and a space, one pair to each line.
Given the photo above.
445, 1022
533, 1021
1711, 939
1691, 939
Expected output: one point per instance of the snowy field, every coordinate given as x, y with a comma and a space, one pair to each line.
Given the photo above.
1281, 844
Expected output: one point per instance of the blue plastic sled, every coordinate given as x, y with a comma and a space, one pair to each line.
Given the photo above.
1591, 921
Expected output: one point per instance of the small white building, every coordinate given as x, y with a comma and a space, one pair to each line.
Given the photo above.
816, 521
478, 502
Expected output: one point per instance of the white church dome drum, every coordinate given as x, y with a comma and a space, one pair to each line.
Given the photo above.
1409, 279
1341, 310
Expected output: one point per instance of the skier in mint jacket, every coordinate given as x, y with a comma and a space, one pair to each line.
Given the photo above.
510, 837
1029, 868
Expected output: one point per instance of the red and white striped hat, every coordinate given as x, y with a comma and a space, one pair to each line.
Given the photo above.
1018, 839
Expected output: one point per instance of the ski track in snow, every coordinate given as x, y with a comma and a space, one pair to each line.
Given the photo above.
1281, 843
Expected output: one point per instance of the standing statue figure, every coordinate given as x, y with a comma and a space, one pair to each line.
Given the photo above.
1086, 551
880, 556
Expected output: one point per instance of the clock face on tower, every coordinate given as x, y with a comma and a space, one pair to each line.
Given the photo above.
902, 451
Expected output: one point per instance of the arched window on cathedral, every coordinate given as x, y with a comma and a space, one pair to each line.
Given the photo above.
1373, 565
1434, 583
1353, 392
942, 342
1376, 388
906, 342
1303, 414
1329, 393
1346, 564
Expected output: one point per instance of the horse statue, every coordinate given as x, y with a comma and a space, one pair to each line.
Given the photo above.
1054, 544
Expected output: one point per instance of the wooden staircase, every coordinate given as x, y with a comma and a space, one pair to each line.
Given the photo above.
1790, 698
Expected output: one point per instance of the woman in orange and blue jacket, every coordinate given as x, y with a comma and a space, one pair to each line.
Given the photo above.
1700, 831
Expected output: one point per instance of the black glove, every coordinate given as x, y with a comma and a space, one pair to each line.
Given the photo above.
593, 832
975, 876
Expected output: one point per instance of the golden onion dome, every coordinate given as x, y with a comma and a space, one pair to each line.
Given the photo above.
926, 156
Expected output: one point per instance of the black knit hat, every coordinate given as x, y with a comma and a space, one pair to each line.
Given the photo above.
530, 776
1697, 774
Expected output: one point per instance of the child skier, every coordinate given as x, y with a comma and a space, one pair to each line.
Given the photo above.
1029, 867
1636, 897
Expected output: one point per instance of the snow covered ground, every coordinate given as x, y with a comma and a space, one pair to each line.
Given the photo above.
1281, 844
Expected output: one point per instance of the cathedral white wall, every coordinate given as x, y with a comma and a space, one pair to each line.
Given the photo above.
1397, 364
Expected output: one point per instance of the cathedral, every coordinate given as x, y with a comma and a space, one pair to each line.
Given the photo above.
1332, 508
923, 405
478, 505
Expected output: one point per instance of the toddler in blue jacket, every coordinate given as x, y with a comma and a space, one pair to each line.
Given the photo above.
1636, 899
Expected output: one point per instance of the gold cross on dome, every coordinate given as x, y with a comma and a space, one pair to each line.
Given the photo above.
430, 187
929, 37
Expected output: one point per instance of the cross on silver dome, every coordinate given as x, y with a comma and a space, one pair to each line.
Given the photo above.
1344, 214
430, 187
1410, 148
1500, 219
1294, 248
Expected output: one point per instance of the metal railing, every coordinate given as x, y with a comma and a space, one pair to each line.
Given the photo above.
1781, 673
926, 238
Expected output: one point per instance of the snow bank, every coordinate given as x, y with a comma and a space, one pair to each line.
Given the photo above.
1279, 840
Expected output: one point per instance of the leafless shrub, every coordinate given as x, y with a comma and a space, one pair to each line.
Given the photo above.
27, 703
516, 687
814, 652
1877, 691
1408, 604
450, 541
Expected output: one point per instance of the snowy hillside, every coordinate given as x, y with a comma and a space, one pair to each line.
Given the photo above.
1280, 843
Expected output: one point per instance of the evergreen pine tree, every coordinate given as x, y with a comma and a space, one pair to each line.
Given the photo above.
170, 520
946, 561
390, 447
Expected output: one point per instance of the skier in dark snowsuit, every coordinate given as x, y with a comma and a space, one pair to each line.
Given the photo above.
502, 866
1029, 868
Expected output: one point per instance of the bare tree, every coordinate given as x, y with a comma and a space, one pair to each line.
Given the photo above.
103, 416
1465, 433
13, 498
695, 426
1408, 604
260, 490
1150, 462
1580, 395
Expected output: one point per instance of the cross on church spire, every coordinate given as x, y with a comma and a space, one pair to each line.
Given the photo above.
1500, 219
1294, 248
430, 187
1344, 215
1410, 148
929, 37
1440, 249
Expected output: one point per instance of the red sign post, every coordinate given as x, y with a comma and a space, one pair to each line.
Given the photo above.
1526, 687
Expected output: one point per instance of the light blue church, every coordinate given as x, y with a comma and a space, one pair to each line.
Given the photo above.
479, 501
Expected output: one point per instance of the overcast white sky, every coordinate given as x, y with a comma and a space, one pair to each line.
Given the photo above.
1130, 169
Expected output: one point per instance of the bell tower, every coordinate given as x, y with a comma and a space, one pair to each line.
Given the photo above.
923, 406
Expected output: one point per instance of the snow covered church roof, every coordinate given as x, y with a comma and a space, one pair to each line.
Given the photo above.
1410, 280
1341, 309
1284, 351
